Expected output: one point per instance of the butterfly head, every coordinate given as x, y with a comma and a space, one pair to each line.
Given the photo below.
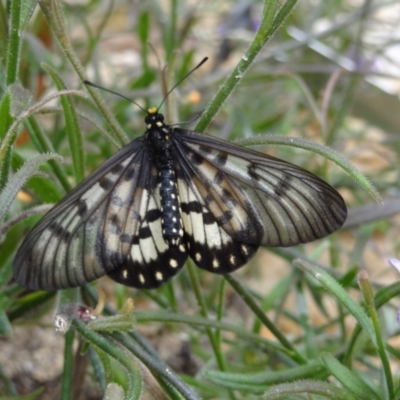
154, 118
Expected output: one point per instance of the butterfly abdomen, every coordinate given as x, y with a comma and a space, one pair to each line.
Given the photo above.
171, 221
160, 141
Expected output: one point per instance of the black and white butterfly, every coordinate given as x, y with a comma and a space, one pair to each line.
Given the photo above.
170, 194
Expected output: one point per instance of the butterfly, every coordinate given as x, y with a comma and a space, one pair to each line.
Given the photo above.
172, 194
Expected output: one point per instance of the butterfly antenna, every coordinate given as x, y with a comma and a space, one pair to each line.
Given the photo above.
111, 91
181, 80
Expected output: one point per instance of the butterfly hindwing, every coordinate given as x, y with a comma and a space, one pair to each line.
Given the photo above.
209, 245
150, 261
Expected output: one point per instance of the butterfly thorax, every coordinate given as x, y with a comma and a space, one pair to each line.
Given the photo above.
158, 136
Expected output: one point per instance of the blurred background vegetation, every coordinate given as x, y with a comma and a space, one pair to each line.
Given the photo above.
278, 328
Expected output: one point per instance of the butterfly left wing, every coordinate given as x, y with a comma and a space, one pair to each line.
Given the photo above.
253, 198
110, 223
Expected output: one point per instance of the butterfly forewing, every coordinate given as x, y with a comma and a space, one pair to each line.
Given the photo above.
286, 204
66, 248
126, 219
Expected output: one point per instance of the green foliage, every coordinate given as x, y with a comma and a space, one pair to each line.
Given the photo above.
322, 330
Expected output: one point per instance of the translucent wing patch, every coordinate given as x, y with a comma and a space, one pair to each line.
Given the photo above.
283, 203
61, 250
110, 224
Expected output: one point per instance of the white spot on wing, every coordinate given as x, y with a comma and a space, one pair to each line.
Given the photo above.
159, 276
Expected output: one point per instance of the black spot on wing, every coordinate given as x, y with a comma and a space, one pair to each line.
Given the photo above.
196, 158
115, 220
283, 186
117, 169
251, 170
105, 183
82, 207
145, 232
218, 178
129, 174
205, 149
153, 215
221, 159
59, 231
224, 218
193, 206
208, 218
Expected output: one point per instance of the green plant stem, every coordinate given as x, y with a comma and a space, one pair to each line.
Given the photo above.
220, 310
157, 367
367, 291
341, 295
72, 127
172, 28
382, 296
43, 145
271, 20
11, 134
52, 11
12, 65
95, 38
113, 350
67, 376
164, 316
14, 44
195, 321
203, 312
304, 319
249, 300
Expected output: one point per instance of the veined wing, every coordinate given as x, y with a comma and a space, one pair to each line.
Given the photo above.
150, 261
110, 224
61, 250
248, 191
208, 243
